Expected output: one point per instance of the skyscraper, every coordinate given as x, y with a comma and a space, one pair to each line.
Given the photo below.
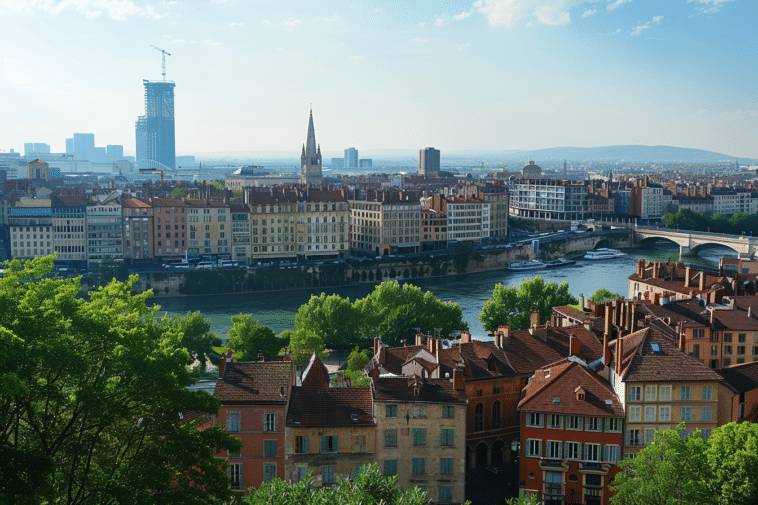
36, 148
310, 160
84, 146
351, 157
429, 162
156, 145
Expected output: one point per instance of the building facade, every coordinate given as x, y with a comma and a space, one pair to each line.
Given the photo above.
549, 199
351, 158
155, 134
429, 162
69, 213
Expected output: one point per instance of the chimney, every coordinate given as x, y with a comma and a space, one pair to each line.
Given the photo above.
629, 316
458, 373
502, 333
712, 312
419, 339
622, 313
465, 337
750, 311
373, 374
574, 345
673, 271
609, 318
619, 354
261, 357
581, 301
606, 350
701, 287
535, 318
687, 277
430, 345
377, 344
226, 357
681, 338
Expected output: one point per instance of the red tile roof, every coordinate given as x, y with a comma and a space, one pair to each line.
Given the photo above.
330, 407
741, 378
315, 374
400, 389
255, 382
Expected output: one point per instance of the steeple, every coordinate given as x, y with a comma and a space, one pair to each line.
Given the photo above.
310, 143
310, 159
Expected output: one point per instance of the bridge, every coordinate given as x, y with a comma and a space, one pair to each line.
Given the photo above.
745, 246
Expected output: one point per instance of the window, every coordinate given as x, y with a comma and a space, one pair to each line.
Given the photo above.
234, 454
447, 437
727, 350
593, 424
419, 466
649, 436
555, 421
635, 394
327, 475
419, 410
613, 425
699, 333
269, 471
706, 414
573, 450
479, 417
742, 338
686, 413
390, 467
573, 423
612, 453
446, 494
740, 349
359, 443
390, 438
232, 421
650, 413
496, 408
419, 436
329, 444
651, 393
235, 476
633, 437
664, 413
665, 393
301, 445
554, 449
390, 411
714, 350
269, 448
534, 448
553, 484
448, 412
592, 452
684, 393
727, 337
534, 420
446, 466
707, 393
269, 422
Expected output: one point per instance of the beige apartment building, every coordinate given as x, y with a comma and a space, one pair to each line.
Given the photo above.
139, 244
69, 214
210, 228
30, 223
386, 223
105, 237
241, 239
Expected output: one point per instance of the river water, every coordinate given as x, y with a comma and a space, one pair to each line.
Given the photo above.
277, 309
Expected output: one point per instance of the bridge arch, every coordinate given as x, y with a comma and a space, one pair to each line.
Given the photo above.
702, 245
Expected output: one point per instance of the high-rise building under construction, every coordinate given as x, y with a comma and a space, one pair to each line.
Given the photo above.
156, 145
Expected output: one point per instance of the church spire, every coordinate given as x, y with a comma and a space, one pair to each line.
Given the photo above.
310, 143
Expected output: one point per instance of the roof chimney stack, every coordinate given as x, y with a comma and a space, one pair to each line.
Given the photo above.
535, 318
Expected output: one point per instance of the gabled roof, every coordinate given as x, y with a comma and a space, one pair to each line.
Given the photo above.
565, 378
527, 351
741, 378
315, 374
254, 382
330, 407
400, 389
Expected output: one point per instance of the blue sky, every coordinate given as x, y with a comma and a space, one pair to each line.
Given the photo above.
493, 74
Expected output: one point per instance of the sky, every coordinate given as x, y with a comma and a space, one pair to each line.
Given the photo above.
455, 75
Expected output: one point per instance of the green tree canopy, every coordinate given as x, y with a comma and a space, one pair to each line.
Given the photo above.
90, 394
303, 343
195, 334
246, 338
333, 318
603, 294
681, 470
358, 359
371, 487
394, 311
179, 192
513, 306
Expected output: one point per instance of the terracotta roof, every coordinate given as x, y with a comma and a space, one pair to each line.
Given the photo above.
691, 312
640, 363
566, 377
315, 374
529, 351
741, 378
134, 203
570, 312
330, 407
254, 382
400, 389
167, 202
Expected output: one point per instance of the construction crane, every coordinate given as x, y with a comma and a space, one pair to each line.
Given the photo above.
151, 171
163, 60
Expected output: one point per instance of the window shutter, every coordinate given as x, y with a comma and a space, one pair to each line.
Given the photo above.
242, 482
323, 444
335, 444
305, 445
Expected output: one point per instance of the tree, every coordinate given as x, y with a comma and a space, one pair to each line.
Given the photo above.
179, 192
395, 312
108, 269
513, 306
303, 343
246, 338
679, 470
284, 338
357, 360
333, 318
195, 334
602, 295
371, 487
90, 394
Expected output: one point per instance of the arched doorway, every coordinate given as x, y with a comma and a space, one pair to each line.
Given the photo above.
481, 455
497, 453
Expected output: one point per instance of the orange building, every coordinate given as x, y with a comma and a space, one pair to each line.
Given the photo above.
742, 380
254, 398
572, 435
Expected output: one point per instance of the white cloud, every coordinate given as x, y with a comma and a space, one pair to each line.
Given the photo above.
236, 24
441, 20
463, 15
612, 5
588, 13
357, 57
92, 9
419, 40
711, 6
463, 47
657, 19
640, 28
553, 15
266, 22
507, 12
421, 24
291, 22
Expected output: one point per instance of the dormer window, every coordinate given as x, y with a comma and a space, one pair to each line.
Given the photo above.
547, 373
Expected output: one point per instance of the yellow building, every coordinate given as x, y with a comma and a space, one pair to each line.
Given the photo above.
30, 223
69, 214
210, 228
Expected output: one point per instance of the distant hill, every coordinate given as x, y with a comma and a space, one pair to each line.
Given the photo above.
635, 153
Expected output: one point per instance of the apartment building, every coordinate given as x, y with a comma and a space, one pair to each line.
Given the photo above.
387, 222
498, 201
646, 200
105, 238
572, 434
433, 232
69, 213
468, 219
31, 228
139, 243
742, 383
241, 238
254, 398
421, 433
170, 223
210, 228
551, 199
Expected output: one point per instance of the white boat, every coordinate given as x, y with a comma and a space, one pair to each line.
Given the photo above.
525, 265
560, 262
603, 254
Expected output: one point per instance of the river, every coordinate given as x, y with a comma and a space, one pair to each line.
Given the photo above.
277, 309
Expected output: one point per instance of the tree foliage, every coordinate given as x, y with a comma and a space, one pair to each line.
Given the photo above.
195, 334
90, 392
302, 345
358, 359
333, 318
603, 294
246, 338
179, 192
679, 470
369, 488
737, 224
513, 306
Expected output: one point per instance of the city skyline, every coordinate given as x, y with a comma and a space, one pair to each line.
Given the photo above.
491, 74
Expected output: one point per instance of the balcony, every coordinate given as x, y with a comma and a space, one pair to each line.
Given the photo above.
555, 465
594, 467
